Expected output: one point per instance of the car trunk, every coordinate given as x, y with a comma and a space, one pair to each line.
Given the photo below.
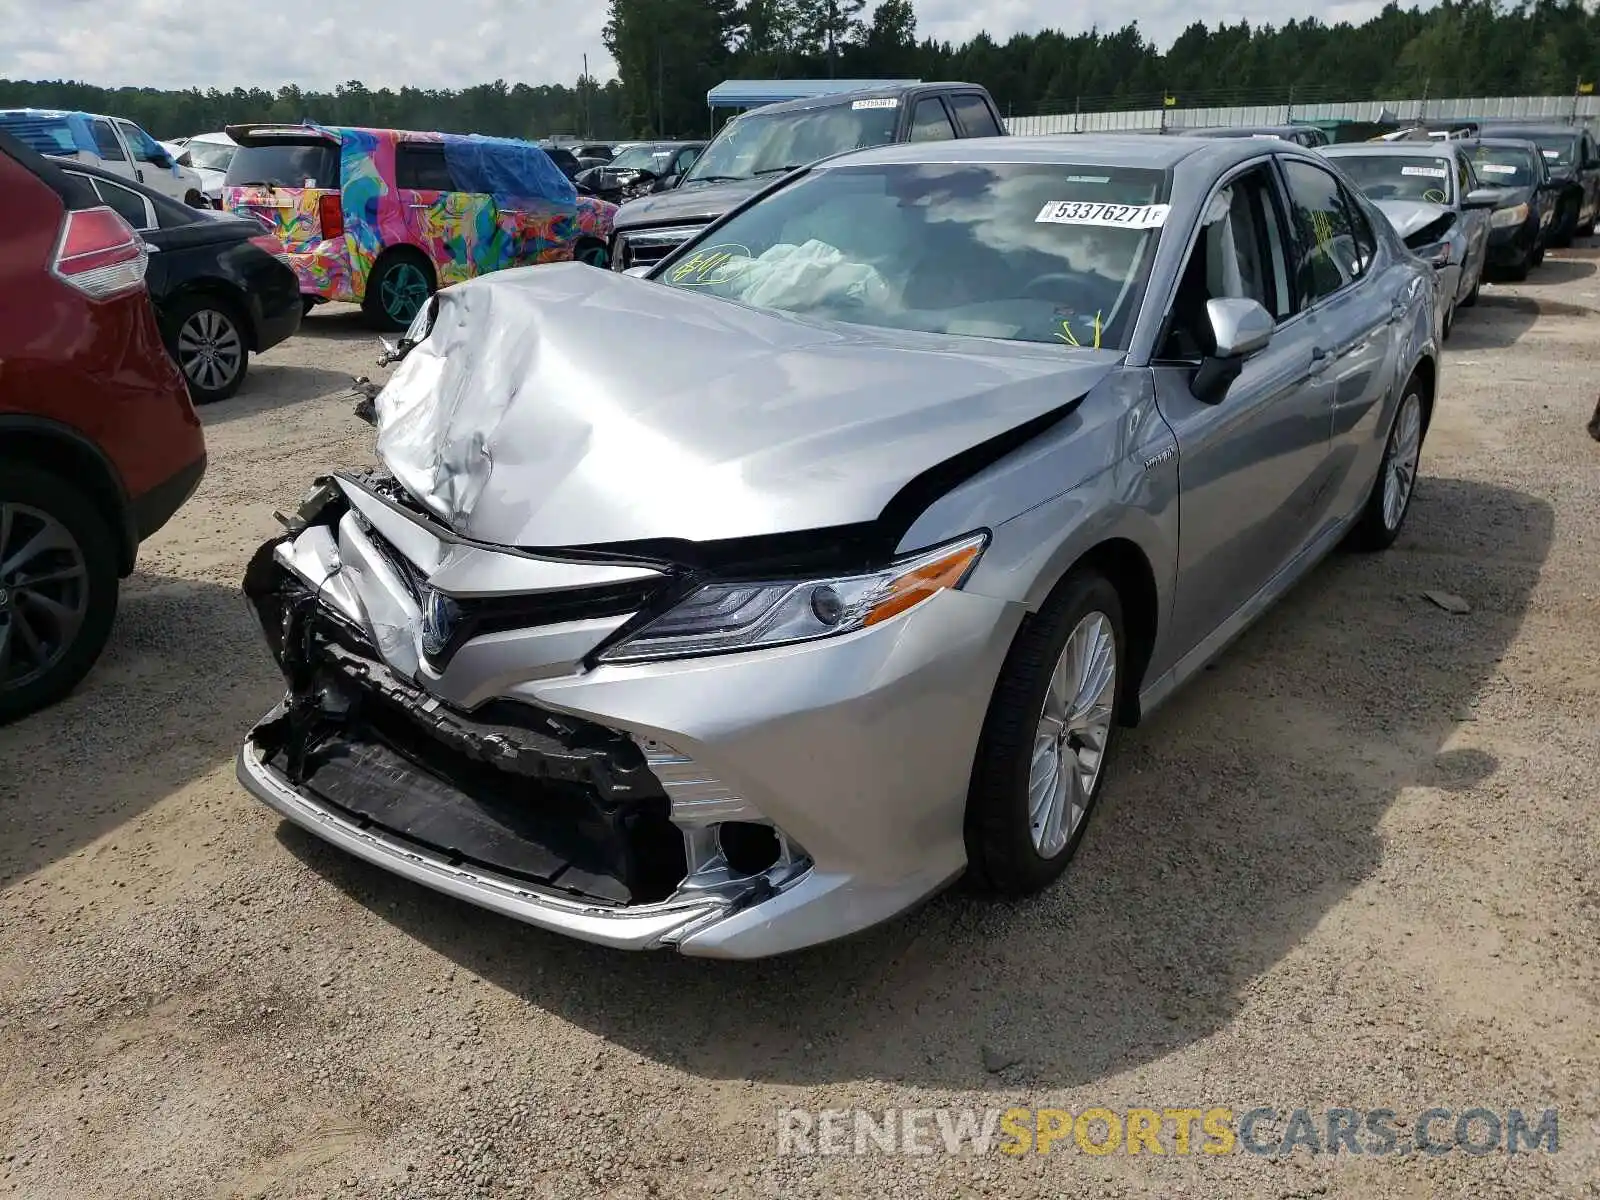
281, 181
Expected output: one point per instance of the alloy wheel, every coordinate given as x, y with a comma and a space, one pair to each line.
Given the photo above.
404, 291
1070, 740
210, 350
44, 592
1405, 451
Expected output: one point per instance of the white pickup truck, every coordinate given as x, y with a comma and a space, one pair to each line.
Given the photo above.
111, 143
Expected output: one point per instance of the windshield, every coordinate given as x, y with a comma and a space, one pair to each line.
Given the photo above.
642, 158
1559, 149
1031, 253
213, 156
754, 145
1504, 166
286, 165
1399, 177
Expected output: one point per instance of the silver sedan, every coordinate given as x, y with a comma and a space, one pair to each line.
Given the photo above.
1430, 192
741, 607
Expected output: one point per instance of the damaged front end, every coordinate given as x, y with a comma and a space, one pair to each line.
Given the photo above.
394, 742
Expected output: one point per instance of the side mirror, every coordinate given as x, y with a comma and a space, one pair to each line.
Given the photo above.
1239, 328
1487, 197
638, 272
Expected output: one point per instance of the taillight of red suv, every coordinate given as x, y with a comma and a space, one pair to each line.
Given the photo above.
99, 254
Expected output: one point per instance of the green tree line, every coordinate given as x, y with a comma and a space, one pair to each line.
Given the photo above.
670, 52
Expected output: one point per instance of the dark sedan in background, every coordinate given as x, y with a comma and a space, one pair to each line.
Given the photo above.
1574, 162
222, 285
1519, 228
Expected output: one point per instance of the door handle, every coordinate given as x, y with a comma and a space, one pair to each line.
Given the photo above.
1397, 313
1320, 358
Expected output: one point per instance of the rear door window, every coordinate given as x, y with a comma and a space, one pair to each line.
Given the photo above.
422, 168
974, 115
1330, 247
106, 143
930, 122
128, 204
285, 164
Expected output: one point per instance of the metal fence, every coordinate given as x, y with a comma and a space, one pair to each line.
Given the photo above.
1154, 120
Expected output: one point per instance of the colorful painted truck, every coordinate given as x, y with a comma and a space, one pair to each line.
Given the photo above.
384, 217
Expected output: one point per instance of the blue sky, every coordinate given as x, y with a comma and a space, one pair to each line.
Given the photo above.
203, 43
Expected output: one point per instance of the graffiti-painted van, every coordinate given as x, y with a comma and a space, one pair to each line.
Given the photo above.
383, 217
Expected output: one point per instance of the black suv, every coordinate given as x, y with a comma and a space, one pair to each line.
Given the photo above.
759, 147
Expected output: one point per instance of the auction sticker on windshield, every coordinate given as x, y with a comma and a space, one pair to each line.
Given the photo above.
887, 102
1116, 216
1426, 172
1496, 169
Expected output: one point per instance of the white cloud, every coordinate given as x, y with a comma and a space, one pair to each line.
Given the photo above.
426, 43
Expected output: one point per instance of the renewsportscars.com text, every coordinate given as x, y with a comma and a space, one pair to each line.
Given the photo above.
1166, 1131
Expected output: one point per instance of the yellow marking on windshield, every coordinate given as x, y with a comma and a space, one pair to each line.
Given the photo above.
1066, 335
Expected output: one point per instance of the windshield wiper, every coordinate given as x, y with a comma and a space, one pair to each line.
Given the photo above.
778, 170
715, 179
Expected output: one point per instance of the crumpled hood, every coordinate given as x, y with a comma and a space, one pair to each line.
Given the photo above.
694, 204
562, 405
1408, 216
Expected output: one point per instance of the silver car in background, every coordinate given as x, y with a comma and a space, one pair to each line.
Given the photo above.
740, 608
1431, 193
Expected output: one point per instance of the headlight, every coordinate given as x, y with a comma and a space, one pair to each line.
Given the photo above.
1508, 216
1438, 254
721, 617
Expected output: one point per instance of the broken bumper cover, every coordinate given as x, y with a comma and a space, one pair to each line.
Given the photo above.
857, 751
640, 928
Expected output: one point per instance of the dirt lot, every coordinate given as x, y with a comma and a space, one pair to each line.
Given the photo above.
1356, 865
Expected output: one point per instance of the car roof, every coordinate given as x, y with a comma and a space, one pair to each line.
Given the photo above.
1089, 149
1504, 126
1430, 149
1239, 130
835, 99
1503, 143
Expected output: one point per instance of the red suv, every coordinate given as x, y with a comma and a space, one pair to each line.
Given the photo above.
99, 444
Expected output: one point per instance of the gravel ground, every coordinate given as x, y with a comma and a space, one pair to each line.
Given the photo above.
1355, 865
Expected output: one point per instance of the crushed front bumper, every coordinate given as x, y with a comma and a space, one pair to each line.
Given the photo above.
735, 806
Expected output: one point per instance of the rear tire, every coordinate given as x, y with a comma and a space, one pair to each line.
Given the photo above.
1471, 297
211, 345
43, 656
399, 285
1037, 755
1389, 502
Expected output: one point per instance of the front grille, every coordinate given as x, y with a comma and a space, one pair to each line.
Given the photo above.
646, 247
482, 615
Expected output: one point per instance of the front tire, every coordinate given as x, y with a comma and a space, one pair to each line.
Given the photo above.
59, 588
1389, 502
210, 346
1047, 737
1471, 297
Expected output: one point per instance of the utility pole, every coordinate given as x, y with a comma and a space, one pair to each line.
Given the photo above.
588, 130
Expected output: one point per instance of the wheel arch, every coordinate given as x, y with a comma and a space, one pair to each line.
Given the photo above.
222, 291
1124, 563
1426, 371
64, 451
